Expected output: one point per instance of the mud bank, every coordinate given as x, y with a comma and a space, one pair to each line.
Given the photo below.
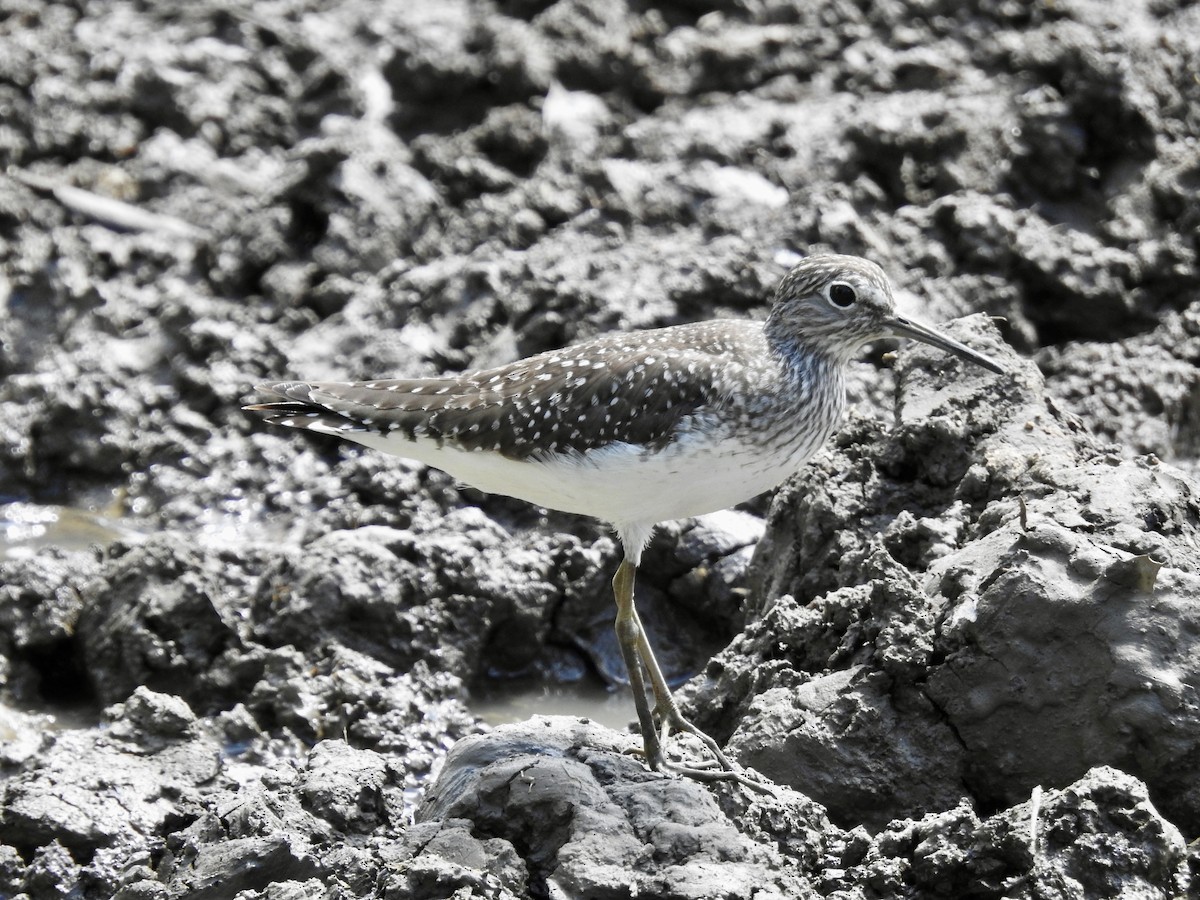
963, 642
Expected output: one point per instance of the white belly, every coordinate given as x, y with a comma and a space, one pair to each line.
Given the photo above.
621, 484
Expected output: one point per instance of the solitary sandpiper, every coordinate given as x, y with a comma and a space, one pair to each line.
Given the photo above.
637, 428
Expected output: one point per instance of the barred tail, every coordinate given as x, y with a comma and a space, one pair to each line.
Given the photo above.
299, 410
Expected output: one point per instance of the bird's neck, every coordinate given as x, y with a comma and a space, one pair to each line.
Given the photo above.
799, 352
812, 375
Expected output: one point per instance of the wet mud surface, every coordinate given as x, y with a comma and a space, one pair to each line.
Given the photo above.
964, 642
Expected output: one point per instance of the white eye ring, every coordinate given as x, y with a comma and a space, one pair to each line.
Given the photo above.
841, 295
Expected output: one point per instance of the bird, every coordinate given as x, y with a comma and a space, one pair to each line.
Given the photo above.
638, 428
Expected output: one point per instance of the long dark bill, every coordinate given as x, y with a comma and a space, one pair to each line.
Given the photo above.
907, 328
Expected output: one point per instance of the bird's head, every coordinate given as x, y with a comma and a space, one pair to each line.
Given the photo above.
838, 303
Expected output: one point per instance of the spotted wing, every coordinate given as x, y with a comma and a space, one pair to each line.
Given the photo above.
577, 399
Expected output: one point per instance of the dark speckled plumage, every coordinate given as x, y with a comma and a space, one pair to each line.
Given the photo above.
631, 388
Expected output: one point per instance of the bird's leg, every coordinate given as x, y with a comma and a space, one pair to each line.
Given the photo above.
630, 636
636, 650
665, 708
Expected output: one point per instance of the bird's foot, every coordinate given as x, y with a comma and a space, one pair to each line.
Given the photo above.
719, 768
711, 776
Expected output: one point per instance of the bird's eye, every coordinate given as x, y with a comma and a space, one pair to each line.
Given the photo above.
842, 295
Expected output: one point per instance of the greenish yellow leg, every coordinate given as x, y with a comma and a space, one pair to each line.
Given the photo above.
630, 636
639, 658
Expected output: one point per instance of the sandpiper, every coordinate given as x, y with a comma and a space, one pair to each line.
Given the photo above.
638, 428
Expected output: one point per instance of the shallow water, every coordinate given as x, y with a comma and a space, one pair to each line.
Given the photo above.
500, 702
26, 528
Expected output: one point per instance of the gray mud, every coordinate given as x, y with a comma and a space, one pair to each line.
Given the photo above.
964, 643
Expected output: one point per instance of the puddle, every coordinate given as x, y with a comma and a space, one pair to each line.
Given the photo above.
502, 702
26, 528
22, 732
